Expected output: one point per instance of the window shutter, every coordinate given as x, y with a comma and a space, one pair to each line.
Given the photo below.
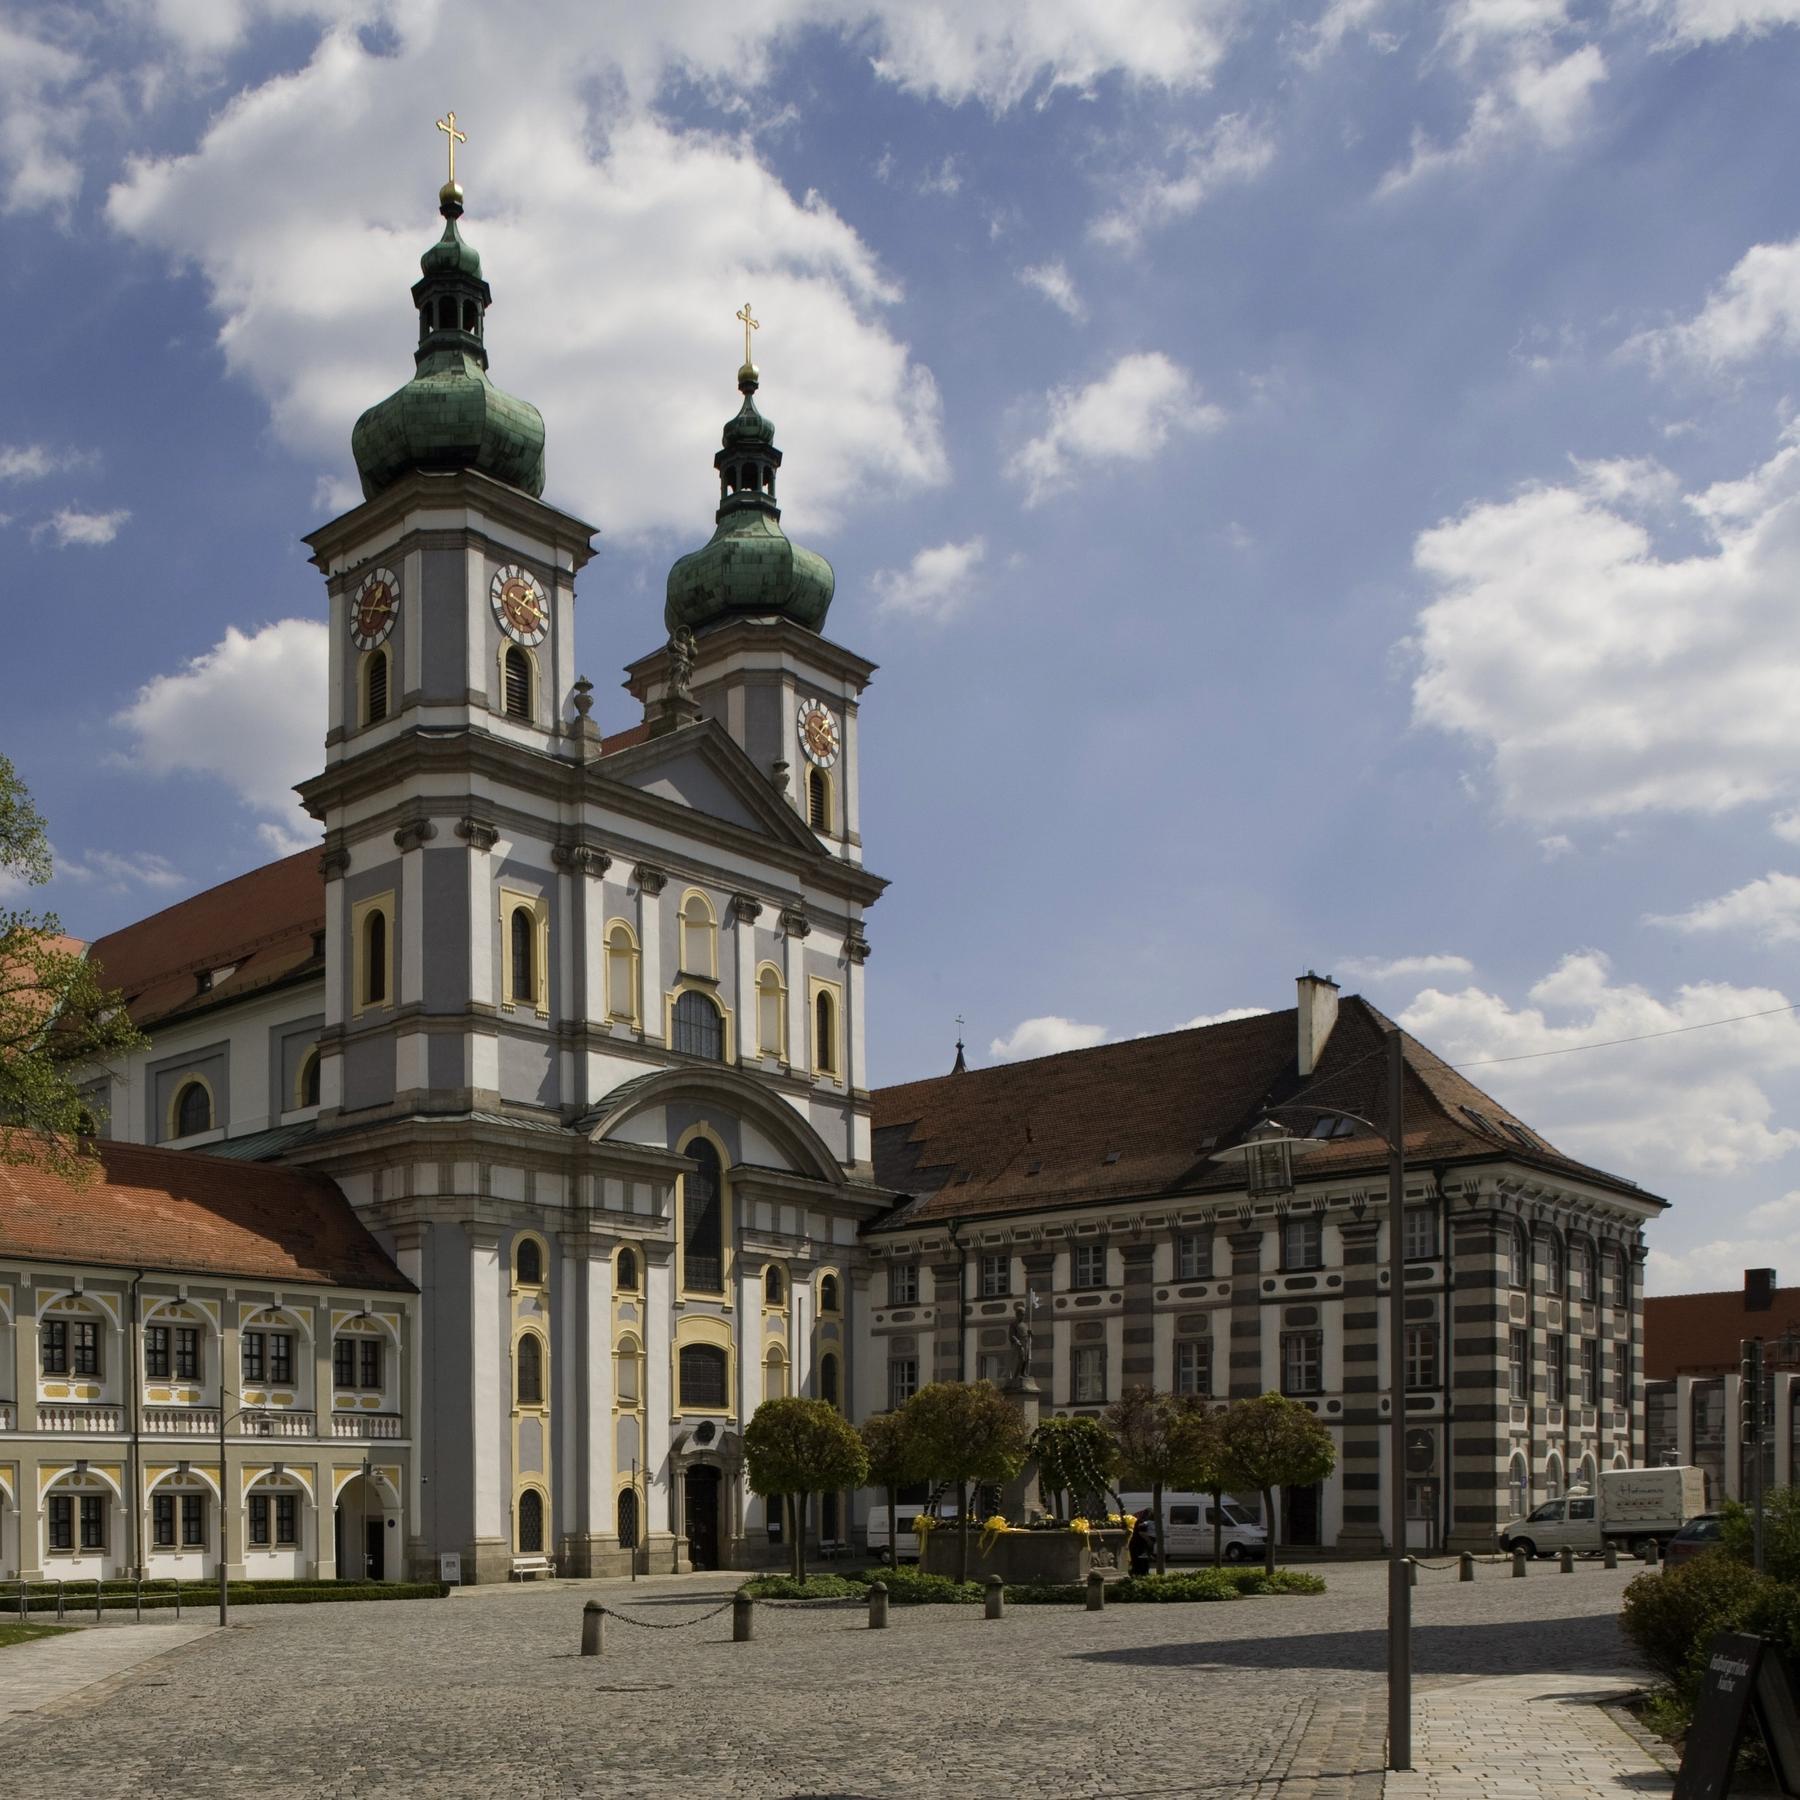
518, 684
377, 708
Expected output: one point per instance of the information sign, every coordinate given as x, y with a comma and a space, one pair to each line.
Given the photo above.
1745, 1679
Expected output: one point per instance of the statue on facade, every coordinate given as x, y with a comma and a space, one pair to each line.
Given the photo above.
681, 663
1019, 1334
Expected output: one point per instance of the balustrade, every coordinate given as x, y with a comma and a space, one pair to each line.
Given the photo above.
58, 1416
6, 1415
365, 1425
181, 1421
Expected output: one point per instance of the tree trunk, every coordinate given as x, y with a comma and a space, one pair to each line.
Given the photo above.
893, 1543
1156, 1513
1218, 1513
962, 1533
1268, 1500
797, 1524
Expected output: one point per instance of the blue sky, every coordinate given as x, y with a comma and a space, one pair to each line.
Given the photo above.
1321, 482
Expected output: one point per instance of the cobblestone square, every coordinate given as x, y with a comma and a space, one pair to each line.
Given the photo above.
485, 1693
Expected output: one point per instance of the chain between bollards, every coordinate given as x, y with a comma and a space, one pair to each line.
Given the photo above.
878, 1605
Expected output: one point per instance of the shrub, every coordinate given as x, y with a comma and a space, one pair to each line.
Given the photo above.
1198, 1584
912, 1587
1283, 1581
814, 1587
1781, 1533
1670, 1617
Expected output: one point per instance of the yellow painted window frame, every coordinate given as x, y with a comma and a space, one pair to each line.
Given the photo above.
543, 1282
637, 1256
540, 1407
776, 1357
364, 666
531, 1484
815, 986
682, 928
820, 1309
778, 1049
511, 901
306, 1062
727, 1219
360, 910
787, 1287
728, 1038
531, 665
628, 1341
633, 957
704, 1331
192, 1079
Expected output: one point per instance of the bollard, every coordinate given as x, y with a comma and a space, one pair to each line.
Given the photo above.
1412, 1571
1519, 1564
1465, 1567
878, 1606
743, 1610
1568, 1560
996, 1597
1096, 1591
97, 1593
1652, 1553
1611, 1553
593, 1629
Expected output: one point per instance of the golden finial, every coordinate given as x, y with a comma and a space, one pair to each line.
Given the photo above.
750, 325
452, 137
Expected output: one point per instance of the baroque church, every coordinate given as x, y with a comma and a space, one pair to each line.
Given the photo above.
559, 1048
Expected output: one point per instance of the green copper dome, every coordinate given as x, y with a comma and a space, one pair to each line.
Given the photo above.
750, 568
450, 415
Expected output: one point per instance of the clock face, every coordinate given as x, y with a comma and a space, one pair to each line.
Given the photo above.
519, 604
374, 608
818, 733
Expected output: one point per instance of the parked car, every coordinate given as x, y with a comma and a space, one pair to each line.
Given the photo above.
1634, 1507
907, 1549
1188, 1520
1700, 1534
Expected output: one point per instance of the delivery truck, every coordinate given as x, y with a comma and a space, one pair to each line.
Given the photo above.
1633, 1508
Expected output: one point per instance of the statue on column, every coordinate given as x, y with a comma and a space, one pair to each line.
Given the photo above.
1019, 1335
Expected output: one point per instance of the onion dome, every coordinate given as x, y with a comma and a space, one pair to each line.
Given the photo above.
749, 568
450, 415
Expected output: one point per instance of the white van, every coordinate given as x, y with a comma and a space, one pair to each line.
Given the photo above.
907, 1550
1188, 1523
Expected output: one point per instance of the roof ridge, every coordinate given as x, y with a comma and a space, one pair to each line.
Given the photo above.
202, 893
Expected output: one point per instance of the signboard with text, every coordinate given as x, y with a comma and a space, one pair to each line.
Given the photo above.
450, 1567
1745, 1679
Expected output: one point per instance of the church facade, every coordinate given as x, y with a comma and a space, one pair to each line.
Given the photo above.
577, 1026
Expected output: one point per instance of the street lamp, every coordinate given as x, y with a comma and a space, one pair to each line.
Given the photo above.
1266, 1153
225, 1419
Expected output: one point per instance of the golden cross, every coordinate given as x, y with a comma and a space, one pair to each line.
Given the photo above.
447, 125
750, 325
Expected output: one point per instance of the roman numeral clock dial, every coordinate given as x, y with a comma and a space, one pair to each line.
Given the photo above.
519, 604
374, 608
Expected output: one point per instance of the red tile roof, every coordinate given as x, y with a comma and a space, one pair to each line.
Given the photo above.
1699, 1334
184, 1211
262, 925
1142, 1118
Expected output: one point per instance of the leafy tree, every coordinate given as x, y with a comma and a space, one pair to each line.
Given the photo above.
1147, 1426
1272, 1442
796, 1447
962, 1432
1781, 1533
888, 1445
1200, 1458
1076, 1458
56, 1021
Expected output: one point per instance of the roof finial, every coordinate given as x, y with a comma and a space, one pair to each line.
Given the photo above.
960, 1067
748, 372
450, 195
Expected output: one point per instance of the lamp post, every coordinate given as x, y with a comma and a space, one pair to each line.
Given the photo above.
225, 1419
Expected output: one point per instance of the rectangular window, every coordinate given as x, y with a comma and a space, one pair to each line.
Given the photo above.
903, 1379
156, 1352
1302, 1355
1090, 1266
990, 1365
1519, 1260
1587, 1273
1421, 1356
53, 1340
1302, 1244
996, 1275
1087, 1375
1193, 1366
253, 1354
259, 1521
193, 1521
1193, 1256
281, 1356
93, 1521
162, 1521
1555, 1371
62, 1522
1590, 1372
1518, 1362
1420, 1241
903, 1284
287, 1519
84, 1357
343, 1362
369, 1363
187, 1353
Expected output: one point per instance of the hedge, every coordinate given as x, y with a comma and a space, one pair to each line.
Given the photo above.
78, 1598
906, 1587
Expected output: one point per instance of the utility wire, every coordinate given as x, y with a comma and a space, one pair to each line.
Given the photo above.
1642, 1037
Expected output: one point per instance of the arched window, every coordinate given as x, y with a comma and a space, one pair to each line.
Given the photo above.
828, 1379
530, 1366
825, 1057
703, 1221
531, 1523
627, 1373
375, 687
775, 1375
1521, 1260
528, 1262
1555, 1276
699, 1026
1519, 1484
375, 954
698, 936
517, 668
628, 1271
771, 1012
621, 972
309, 1078
628, 1510
828, 1294
1553, 1478
818, 799
703, 1377
523, 928
774, 1288
193, 1110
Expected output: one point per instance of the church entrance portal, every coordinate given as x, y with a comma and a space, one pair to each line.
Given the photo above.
702, 1484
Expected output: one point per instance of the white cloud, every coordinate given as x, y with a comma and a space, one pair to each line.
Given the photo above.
69, 525
1640, 483
1555, 844
119, 872
1711, 21
1401, 968
944, 177
1767, 911
1223, 1018
1471, 25
1786, 826
32, 462
934, 584
1756, 308
1769, 1239
1692, 1104
1046, 1037
1127, 415
1051, 279
1313, 44
245, 713
1604, 679
47, 96
1231, 150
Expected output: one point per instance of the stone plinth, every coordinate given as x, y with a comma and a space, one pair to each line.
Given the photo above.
1017, 1557
1020, 1498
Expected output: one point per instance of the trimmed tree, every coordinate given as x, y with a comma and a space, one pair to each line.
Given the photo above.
795, 1447
1075, 1458
56, 1021
1201, 1463
888, 1445
1272, 1442
965, 1431
1147, 1427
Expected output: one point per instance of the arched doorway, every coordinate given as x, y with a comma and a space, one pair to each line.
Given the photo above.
367, 1532
701, 1483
